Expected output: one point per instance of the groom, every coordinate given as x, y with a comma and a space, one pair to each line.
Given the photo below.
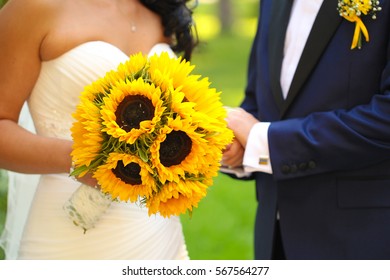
314, 131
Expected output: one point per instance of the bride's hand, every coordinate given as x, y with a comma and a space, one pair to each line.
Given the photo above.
233, 155
87, 179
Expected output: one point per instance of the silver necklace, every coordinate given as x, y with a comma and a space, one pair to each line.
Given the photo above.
133, 27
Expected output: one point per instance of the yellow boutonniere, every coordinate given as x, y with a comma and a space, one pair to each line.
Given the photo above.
351, 10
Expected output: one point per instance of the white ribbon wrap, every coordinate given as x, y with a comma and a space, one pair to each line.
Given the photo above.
86, 206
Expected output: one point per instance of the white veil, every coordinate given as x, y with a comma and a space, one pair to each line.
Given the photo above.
21, 190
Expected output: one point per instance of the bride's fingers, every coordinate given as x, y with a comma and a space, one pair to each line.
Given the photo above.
233, 155
87, 179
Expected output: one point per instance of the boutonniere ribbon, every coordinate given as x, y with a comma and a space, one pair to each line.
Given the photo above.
352, 10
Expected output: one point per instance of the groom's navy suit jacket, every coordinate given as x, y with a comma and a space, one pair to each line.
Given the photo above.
329, 140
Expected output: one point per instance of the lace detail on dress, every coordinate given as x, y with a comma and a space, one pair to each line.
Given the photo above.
53, 128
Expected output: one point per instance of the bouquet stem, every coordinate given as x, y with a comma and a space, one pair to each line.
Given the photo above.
86, 206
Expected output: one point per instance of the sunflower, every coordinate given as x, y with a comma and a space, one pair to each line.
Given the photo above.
126, 177
86, 133
177, 198
165, 71
132, 109
178, 150
132, 69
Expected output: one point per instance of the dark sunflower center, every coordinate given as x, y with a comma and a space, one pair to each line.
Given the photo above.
129, 173
132, 110
175, 148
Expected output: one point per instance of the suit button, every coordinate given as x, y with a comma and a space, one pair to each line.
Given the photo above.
294, 168
302, 166
286, 169
312, 164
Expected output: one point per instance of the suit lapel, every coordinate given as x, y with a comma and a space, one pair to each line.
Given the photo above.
280, 14
323, 29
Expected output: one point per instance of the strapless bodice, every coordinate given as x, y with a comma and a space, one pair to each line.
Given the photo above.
61, 80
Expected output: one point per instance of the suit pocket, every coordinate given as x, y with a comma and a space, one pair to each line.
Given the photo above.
363, 193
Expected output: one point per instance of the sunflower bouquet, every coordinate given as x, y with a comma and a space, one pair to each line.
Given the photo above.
149, 132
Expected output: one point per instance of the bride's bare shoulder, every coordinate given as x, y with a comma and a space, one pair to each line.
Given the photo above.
25, 23
31, 6
29, 13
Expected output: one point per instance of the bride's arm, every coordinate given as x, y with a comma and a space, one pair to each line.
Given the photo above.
23, 25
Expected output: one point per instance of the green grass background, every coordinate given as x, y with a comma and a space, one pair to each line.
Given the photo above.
221, 228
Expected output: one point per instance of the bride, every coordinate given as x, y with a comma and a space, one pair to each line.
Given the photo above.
50, 50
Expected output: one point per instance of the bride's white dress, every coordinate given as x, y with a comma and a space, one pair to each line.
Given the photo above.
125, 231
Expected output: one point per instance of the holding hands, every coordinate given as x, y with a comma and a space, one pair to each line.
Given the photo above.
241, 122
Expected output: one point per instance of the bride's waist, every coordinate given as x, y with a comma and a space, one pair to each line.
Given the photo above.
58, 182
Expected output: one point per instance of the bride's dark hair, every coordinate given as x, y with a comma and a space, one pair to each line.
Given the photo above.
178, 24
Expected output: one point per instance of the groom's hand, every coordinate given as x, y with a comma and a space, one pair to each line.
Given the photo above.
241, 122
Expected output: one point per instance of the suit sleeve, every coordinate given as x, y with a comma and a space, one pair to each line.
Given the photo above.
332, 141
